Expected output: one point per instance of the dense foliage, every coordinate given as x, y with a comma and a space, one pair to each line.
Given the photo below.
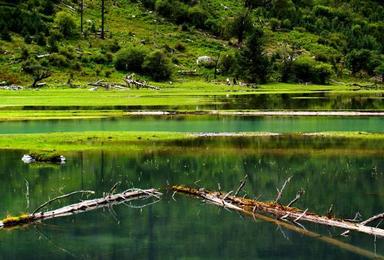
268, 40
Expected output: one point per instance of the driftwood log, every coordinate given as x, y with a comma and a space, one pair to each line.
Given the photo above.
84, 206
129, 81
280, 211
106, 85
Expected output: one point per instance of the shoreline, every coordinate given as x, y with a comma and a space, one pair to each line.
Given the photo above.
146, 141
259, 113
31, 115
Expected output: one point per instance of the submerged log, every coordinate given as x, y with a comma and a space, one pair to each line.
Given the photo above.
277, 210
84, 206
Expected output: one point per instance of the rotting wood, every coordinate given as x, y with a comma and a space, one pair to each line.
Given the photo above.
277, 210
106, 85
84, 206
129, 80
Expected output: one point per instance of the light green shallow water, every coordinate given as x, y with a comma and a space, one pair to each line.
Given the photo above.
200, 124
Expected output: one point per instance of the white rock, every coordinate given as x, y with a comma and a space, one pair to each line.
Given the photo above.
27, 158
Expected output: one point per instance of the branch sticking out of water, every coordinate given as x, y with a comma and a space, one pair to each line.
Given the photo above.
279, 211
258, 210
84, 206
280, 192
62, 197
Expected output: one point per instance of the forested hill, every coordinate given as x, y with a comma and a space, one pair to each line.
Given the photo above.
251, 40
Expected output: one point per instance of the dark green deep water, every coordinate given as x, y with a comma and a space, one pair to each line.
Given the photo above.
187, 228
352, 180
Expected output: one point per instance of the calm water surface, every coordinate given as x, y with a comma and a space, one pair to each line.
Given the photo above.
297, 101
187, 228
200, 124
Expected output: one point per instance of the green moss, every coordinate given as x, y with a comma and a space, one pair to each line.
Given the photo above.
14, 221
145, 141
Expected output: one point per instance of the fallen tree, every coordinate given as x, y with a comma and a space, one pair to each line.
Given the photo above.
280, 223
129, 81
83, 206
280, 211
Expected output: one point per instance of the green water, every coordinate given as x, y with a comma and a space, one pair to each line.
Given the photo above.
200, 124
298, 101
188, 228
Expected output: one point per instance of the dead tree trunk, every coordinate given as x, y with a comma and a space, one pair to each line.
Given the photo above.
81, 16
39, 76
277, 210
102, 36
289, 226
130, 81
84, 206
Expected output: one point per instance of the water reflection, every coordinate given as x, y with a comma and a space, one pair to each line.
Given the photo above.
275, 101
186, 228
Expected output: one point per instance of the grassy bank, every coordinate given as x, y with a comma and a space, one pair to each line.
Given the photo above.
67, 103
320, 143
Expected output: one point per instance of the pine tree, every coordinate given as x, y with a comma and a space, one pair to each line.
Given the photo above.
253, 64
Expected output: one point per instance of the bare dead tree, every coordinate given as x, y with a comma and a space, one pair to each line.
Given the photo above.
39, 75
102, 35
83, 206
81, 16
282, 212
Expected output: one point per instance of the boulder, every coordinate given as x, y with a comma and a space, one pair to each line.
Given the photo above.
205, 61
31, 158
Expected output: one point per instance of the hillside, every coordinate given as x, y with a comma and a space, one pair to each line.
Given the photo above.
253, 41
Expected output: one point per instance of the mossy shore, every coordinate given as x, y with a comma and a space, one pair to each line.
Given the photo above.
187, 97
358, 142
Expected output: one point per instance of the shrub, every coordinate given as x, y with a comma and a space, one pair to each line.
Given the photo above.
5, 35
302, 69
150, 4
24, 55
58, 60
54, 38
306, 69
68, 52
112, 46
274, 24
286, 24
322, 73
157, 65
164, 8
40, 39
227, 63
108, 73
180, 47
29, 65
172, 9
130, 59
66, 24
27, 39
197, 17
358, 60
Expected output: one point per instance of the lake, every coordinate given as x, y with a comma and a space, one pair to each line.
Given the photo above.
350, 179
282, 124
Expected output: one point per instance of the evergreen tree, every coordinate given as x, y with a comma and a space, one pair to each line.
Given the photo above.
253, 64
